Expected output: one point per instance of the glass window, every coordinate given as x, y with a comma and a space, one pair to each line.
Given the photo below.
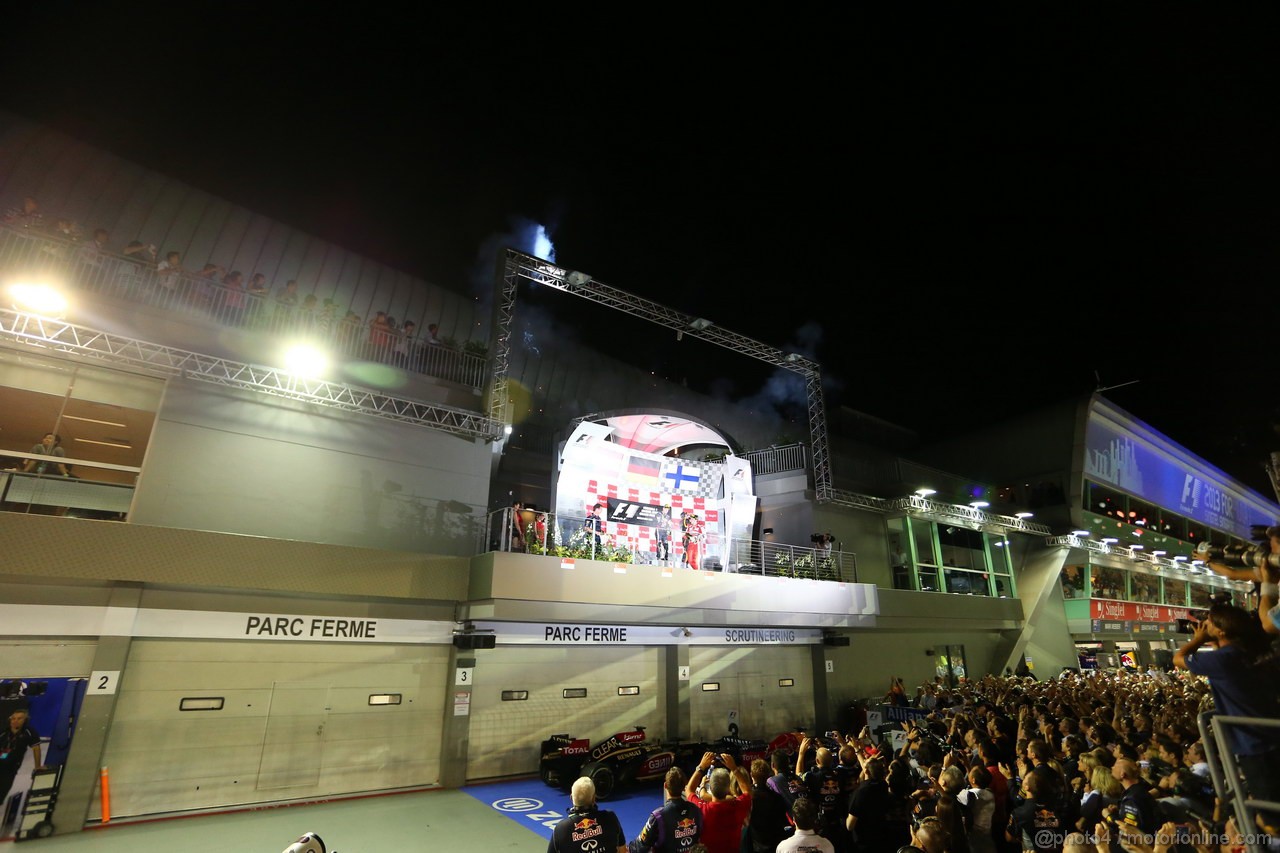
966, 583
926, 554
1000, 556
1106, 501
1004, 586
98, 419
1108, 583
1175, 592
922, 536
1145, 588
928, 578
899, 554
1141, 514
950, 665
1201, 595
961, 547
1072, 580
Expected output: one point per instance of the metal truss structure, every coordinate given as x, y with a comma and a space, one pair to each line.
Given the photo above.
968, 516
1193, 567
518, 266
58, 335
854, 500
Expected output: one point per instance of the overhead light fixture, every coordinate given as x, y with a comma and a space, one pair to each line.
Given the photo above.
306, 361
700, 323
979, 504
1179, 558
506, 430
791, 357
1136, 547
1158, 553
93, 421
577, 278
924, 493
1022, 514
1084, 533
38, 299
105, 443
1109, 541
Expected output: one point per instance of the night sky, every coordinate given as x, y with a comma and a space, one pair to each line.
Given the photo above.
961, 214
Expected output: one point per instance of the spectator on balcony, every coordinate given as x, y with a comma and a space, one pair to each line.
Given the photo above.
286, 305
307, 311
433, 333
90, 250
257, 291
67, 230
26, 216
90, 253
202, 292
325, 317
140, 253
349, 332
406, 346
233, 298
379, 334
50, 446
168, 273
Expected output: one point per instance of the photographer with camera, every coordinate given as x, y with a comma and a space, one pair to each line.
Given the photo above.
1257, 563
1243, 677
724, 815
822, 543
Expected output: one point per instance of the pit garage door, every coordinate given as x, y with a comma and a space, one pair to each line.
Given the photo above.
210, 723
751, 686
506, 734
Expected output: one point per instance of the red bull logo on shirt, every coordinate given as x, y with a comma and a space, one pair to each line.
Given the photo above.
586, 828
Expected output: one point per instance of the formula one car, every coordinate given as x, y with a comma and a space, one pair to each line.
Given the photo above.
622, 759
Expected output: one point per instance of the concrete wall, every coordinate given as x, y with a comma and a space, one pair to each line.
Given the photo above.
246, 463
863, 668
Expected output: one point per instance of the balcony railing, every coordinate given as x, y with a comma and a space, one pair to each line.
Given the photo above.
80, 265
775, 460
89, 490
546, 533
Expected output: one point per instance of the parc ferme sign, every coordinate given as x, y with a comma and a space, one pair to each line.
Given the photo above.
589, 634
81, 620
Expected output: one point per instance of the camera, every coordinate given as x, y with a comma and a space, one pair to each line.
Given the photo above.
1244, 556
1186, 626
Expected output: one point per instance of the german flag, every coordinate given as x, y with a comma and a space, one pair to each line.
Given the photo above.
644, 471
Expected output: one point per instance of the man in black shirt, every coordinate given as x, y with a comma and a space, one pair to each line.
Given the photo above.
675, 826
1137, 813
823, 785
14, 741
1040, 822
587, 829
783, 781
768, 824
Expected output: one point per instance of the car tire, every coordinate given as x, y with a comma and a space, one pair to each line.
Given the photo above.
604, 781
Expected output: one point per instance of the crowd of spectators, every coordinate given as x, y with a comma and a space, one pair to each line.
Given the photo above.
1087, 762
138, 272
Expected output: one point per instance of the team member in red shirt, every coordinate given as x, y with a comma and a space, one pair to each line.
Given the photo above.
723, 815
